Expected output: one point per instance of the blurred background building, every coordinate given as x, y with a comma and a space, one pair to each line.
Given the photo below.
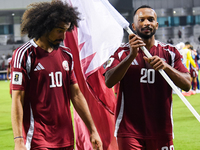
11, 12
174, 17
178, 20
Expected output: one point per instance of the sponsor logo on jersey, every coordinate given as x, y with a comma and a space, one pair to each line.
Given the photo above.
39, 67
17, 78
65, 65
108, 63
134, 62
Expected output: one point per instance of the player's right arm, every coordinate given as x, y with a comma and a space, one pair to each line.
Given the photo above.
115, 74
17, 118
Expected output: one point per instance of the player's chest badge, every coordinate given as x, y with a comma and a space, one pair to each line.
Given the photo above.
65, 65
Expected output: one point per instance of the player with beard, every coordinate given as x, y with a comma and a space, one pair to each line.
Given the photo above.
43, 82
144, 100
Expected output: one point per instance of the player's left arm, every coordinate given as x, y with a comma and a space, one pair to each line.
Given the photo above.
82, 109
180, 79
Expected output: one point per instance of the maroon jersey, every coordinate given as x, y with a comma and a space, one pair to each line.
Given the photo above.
45, 78
144, 106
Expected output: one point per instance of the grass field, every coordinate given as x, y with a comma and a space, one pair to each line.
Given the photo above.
186, 126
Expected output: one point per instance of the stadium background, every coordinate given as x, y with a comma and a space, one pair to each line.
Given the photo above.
173, 16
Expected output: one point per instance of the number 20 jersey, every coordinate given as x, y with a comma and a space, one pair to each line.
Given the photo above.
144, 102
45, 78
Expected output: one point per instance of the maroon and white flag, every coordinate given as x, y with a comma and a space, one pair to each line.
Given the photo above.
98, 36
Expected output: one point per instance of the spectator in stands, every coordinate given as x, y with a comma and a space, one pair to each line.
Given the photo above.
179, 34
170, 41
3, 56
10, 41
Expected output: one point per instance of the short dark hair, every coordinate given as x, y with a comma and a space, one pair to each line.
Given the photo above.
187, 43
41, 18
143, 6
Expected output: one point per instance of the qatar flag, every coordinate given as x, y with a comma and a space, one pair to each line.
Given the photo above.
92, 43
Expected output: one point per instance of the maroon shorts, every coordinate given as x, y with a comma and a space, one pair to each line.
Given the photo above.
64, 148
140, 144
193, 72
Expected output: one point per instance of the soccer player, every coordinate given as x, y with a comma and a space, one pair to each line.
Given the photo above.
43, 82
144, 104
189, 59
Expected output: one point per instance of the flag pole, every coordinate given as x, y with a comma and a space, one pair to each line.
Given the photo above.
169, 81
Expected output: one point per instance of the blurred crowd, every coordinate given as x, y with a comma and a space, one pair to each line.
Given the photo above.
4, 61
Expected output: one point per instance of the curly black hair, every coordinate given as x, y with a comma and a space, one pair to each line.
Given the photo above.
41, 18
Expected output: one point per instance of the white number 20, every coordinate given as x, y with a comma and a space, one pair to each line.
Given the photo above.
148, 76
166, 148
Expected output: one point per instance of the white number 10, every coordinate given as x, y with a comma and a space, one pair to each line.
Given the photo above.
58, 77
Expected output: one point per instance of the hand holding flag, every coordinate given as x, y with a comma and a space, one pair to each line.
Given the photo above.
121, 21
169, 81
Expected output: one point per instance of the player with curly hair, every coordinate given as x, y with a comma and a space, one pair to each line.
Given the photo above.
43, 82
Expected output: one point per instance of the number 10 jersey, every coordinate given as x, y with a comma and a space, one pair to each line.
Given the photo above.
46, 79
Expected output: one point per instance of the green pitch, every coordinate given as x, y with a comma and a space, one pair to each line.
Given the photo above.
186, 126
6, 135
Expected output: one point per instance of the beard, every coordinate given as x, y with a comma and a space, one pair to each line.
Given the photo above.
55, 46
145, 36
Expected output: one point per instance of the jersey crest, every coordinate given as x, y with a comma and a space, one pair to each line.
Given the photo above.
65, 65
108, 63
